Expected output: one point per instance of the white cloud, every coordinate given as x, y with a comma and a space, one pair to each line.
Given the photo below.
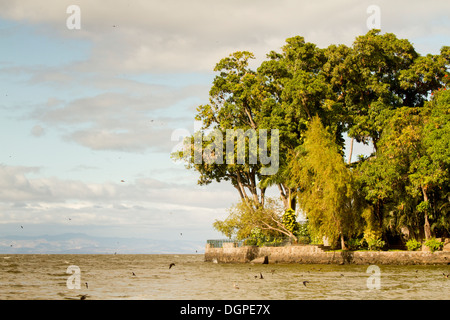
193, 35
145, 202
106, 97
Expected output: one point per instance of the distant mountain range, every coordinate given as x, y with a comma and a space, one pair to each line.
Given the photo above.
85, 244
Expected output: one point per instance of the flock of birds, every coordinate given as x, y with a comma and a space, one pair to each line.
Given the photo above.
133, 274
260, 276
305, 282
235, 286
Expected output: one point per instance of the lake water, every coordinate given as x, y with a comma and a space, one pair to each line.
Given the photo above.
31, 277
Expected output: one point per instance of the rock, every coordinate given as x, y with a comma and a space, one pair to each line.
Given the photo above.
262, 260
446, 247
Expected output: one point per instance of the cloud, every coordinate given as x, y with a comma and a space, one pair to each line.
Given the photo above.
144, 203
175, 35
117, 121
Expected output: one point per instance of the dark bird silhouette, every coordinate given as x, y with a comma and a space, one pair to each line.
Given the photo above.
122, 180
21, 227
305, 282
261, 276
87, 287
171, 265
134, 274
83, 297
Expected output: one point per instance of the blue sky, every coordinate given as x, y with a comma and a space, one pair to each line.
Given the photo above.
82, 110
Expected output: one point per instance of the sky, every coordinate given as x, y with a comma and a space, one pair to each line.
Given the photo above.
90, 115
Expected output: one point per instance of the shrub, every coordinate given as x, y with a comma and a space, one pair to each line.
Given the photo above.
303, 240
373, 240
375, 244
251, 242
354, 244
413, 245
434, 244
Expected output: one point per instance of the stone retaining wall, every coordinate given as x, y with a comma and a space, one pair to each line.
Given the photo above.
311, 254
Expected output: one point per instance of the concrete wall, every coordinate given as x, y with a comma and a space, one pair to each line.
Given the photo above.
229, 253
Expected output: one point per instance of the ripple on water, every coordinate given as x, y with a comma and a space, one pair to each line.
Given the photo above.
110, 277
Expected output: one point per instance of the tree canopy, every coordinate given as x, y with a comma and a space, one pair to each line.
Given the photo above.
380, 90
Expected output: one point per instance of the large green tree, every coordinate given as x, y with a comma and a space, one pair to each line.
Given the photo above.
410, 173
325, 186
377, 91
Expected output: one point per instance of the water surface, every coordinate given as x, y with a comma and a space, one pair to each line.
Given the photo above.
30, 277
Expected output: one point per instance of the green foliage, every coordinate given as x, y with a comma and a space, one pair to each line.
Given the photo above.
373, 240
325, 185
302, 233
355, 243
289, 220
413, 245
244, 221
377, 90
434, 244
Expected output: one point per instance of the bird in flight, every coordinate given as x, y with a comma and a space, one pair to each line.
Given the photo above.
171, 265
446, 275
305, 282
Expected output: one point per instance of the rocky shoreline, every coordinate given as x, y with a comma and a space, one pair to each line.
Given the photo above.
317, 254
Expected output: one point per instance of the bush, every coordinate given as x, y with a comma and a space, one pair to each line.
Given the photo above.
413, 245
303, 240
375, 244
373, 240
354, 244
250, 242
434, 244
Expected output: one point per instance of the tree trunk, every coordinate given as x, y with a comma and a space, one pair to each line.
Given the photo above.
263, 192
351, 151
343, 247
426, 225
283, 196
